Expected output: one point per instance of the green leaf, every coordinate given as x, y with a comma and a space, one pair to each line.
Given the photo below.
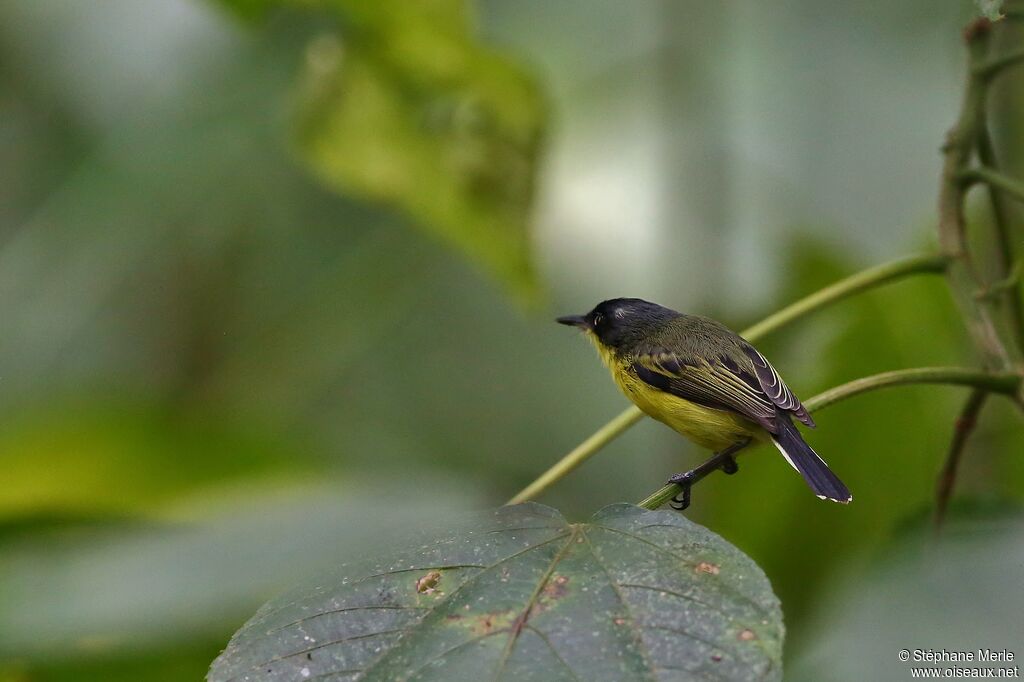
519, 593
407, 108
402, 105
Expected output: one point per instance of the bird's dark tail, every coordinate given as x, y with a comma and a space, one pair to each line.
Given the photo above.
801, 457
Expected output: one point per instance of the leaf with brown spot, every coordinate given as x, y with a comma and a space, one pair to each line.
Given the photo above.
627, 596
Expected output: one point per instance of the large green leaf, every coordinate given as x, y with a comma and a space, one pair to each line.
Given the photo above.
521, 594
403, 105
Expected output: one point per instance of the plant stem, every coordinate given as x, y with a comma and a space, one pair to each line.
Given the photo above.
952, 226
995, 66
1006, 383
961, 431
861, 281
1004, 244
579, 454
996, 180
844, 288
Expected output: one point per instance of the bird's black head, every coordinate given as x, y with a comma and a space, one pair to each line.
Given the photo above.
622, 322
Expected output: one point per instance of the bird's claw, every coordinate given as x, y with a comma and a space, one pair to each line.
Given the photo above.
686, 480
682, 501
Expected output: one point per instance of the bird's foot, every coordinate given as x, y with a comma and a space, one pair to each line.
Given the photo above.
685, 481
723, 460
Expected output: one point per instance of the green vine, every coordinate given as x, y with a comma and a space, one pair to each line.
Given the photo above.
1002, 366
1006, 383
844, 288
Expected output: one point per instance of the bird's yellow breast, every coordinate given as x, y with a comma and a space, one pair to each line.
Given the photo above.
709, 428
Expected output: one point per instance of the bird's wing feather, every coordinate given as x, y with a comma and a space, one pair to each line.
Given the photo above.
719, 384
775, 388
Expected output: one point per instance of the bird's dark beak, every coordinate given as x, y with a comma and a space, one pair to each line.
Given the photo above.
573, 321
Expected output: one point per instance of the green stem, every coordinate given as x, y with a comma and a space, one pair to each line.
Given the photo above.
958, 151
844, 288
995, 179
995, 66
579, 455
861, 281
1006, 383
1008, 264
1001, 286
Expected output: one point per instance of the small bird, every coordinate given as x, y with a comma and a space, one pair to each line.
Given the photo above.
705, 382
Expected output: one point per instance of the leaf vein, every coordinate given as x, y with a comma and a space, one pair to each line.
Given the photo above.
689, 562
471, 580
322, 645
520, 621
673, 593
344, 610
645, 652
551, 646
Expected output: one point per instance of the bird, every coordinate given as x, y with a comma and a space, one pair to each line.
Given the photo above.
707, 383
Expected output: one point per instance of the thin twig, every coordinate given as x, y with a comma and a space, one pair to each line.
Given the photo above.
579, 455
854, 284
1001, 217
844, 288
952, 225
1006, 383
994, 179
999, 286
961, 431
997, 65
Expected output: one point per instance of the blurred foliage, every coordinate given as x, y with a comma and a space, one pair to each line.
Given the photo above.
960, 594
120, 590
148, 456
209, 350
403, 105
174, 664
523, 594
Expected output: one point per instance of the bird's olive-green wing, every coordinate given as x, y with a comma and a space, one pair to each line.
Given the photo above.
722, 383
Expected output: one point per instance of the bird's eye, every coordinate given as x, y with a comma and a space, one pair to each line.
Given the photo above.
598, 319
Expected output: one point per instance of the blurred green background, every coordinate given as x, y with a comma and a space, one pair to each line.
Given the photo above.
277, 278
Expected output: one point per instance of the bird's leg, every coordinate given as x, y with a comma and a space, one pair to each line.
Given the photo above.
723, 460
